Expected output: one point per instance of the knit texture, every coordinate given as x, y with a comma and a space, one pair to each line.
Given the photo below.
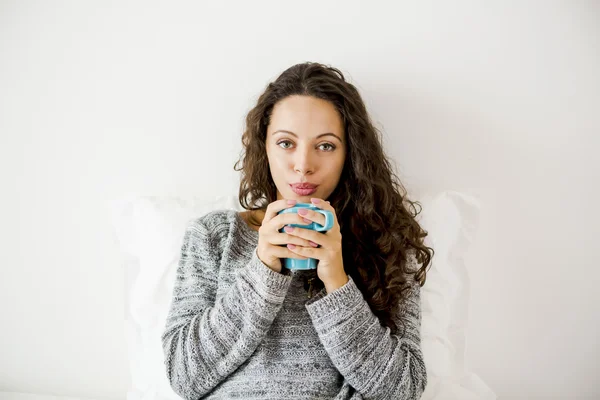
236, 329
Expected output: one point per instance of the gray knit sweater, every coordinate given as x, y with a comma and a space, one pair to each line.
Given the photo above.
236, 329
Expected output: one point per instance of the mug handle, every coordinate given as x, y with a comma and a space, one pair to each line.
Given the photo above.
328, 221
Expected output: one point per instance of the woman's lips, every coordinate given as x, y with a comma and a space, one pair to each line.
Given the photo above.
303, 192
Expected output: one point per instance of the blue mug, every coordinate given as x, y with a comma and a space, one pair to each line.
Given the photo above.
309, 263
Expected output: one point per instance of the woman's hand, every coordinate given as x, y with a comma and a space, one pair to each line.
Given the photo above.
269, 249
330, 268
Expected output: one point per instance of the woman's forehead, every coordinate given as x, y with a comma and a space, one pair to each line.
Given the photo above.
305, 117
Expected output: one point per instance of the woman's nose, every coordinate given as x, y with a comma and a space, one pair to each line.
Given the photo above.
303, 163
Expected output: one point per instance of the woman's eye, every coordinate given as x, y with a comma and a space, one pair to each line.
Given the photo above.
332, 147
283, 141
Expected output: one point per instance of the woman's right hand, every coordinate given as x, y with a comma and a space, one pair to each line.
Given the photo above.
269, 238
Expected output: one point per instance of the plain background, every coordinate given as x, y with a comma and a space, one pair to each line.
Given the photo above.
99, 99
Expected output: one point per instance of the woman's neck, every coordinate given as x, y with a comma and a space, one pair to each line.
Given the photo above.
257, 215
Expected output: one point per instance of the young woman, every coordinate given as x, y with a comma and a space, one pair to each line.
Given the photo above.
242, 326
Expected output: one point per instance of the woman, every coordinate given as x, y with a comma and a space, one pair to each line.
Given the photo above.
242, 326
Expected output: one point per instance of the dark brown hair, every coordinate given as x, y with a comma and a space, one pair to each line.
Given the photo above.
377, 230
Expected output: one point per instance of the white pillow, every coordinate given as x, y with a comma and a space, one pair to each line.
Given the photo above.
451, 220
150, 230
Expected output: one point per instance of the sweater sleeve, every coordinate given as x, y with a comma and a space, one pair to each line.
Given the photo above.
205, 340
377, 363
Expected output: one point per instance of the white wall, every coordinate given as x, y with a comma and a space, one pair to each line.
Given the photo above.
99, 99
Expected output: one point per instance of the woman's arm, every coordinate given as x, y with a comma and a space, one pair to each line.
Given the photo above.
378, 364
206, 340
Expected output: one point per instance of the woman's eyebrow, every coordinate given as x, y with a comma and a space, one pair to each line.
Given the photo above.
322, 134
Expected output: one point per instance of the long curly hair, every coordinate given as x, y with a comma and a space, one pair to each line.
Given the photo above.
378, 231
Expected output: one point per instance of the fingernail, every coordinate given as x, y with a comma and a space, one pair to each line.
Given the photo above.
303, 211
291, 246
313, 244
316, 201
289, 229
291, 201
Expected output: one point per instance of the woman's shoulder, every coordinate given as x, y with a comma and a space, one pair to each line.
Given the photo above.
211, 229
217, 222
226, 224
226, 232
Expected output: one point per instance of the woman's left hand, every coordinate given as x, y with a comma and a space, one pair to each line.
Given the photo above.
330, 268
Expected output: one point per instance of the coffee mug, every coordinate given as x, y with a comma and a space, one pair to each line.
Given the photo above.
309, 263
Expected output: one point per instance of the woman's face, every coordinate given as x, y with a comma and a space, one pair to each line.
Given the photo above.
305, 144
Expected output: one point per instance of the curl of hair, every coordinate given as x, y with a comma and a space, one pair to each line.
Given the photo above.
378, 231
